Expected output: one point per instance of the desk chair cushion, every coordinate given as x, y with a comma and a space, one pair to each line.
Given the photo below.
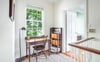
39, 47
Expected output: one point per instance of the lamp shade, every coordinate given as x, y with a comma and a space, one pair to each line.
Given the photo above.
23, 28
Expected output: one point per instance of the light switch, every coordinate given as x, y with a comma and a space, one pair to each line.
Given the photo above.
92, 30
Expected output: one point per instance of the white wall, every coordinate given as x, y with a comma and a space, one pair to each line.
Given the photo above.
94, 23
20, 19
59, 9
6, 33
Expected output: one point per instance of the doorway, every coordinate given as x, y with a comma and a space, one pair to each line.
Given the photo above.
76, 25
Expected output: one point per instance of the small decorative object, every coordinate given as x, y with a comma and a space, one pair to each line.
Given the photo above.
11, 9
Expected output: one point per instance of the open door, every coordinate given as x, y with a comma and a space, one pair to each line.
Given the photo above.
71, 28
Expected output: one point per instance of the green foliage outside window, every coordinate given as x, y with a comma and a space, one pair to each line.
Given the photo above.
34, 22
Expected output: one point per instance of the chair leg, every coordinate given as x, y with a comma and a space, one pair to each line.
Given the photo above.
36, 57
45, 54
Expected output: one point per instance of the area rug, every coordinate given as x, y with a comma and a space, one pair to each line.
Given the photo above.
52, 58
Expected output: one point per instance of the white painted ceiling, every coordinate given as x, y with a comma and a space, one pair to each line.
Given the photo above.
54, 1
80, 2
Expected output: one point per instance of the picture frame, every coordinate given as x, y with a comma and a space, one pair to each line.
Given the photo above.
11, 9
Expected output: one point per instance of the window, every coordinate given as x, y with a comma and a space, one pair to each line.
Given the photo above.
34, 21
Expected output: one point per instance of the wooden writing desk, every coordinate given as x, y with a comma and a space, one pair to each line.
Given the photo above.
35, 40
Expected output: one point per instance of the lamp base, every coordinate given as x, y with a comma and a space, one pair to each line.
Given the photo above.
20, 59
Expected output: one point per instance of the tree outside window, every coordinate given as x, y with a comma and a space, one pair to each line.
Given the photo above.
34, 22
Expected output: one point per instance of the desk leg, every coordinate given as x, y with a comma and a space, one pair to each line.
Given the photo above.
29, 54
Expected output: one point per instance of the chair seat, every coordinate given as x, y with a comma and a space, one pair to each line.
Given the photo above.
39, 47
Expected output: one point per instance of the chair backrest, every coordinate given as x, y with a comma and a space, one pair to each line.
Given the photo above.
40, 40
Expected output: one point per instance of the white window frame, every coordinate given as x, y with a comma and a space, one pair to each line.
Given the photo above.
40, 9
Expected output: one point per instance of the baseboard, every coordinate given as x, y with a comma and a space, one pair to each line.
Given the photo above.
20, 59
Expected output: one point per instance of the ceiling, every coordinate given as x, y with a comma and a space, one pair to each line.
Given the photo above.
54, 1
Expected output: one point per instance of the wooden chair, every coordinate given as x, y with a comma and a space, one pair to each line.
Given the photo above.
39, 47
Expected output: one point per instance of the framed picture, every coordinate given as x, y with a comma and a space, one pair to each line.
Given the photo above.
11, 9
